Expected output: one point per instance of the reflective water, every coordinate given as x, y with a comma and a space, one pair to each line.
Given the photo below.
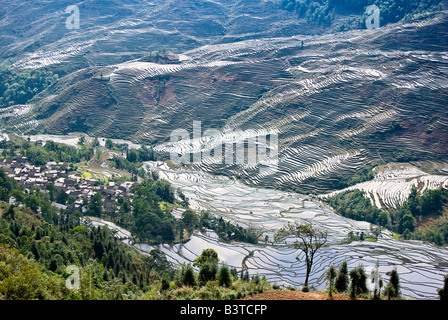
421, 266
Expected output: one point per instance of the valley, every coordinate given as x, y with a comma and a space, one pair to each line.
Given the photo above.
338, 102
421, 266
284, 108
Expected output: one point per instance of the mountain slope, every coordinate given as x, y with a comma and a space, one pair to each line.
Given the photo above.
339, 102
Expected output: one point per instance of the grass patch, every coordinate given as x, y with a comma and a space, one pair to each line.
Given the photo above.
86, 174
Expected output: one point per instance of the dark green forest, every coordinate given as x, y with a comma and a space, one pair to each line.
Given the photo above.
20, 87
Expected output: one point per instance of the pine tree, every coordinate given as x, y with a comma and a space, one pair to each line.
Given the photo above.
224, 277
341, 282
35, 251
187, 276
392, 289
358, 283
443, 293
331, 275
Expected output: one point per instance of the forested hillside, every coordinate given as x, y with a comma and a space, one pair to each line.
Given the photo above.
20, 87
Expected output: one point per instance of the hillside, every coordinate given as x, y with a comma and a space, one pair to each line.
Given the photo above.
299, 112
338, 102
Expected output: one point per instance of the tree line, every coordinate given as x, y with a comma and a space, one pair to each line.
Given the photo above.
407, 219
354, 283
39, 155
212, 280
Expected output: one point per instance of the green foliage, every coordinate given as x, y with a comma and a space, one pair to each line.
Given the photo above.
95, 206
190, 219
186, 276
107, 266
342, 280
228, 231
149, 222
132, 162
52, 151
403, 220
207, 256
443, 292
24, 279
141, 154
163, 189
392, 289
358, 284
354, 205
19, 88
331, 276
436, 233
46, 244
207, 272
224, 277
365, 174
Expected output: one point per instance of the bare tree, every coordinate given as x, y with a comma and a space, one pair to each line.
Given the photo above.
309, 241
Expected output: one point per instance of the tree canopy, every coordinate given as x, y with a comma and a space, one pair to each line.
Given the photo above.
307, 238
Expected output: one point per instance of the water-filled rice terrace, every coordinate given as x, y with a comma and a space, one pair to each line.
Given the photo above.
334, 113
337, 102
393, 183
421, 266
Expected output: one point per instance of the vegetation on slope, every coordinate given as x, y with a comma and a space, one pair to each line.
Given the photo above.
38, 242
422, 217
20, 87
35, 255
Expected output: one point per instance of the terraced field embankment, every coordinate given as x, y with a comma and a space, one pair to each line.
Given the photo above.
338, 102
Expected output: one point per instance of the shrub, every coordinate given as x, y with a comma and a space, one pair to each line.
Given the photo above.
186, 276
358, 283
392, 290
331, 275
224, 277
443, 293
342, 281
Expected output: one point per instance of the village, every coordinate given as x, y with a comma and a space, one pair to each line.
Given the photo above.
77, 188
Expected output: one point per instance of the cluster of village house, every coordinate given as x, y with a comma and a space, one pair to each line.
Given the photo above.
72, 184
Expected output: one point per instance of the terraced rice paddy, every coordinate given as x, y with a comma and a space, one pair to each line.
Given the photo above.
330, 98
333, 111
393, 183
421, 266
